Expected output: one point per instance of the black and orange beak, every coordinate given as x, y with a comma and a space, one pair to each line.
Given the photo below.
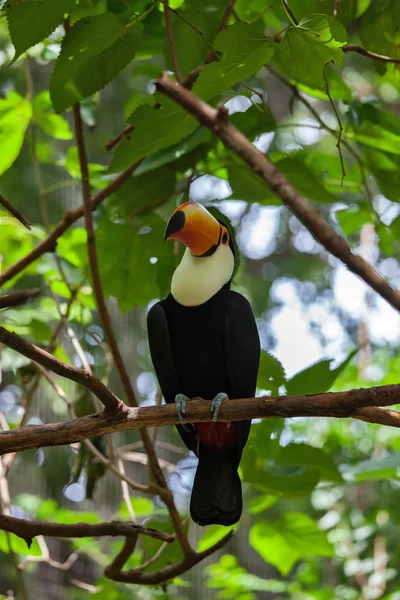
195, 227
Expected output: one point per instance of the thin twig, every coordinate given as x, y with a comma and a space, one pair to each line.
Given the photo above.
49, 243
155, 469
15, 213
336, 8
339, 141
171, 41
369, 54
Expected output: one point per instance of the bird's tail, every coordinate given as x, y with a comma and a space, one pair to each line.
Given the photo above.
217, 491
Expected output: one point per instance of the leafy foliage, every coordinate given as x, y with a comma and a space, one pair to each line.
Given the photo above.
320, 496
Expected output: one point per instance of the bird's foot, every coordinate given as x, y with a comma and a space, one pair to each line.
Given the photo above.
216, 405
180, 405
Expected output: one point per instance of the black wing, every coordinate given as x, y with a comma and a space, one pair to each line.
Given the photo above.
163, 362
242, 347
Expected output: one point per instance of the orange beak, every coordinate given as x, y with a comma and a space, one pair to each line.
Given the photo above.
195, 227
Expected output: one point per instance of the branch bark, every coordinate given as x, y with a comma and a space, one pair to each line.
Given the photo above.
217, 120
18, 298
369, 54
27, 530
15, 213
360, 404
111, 402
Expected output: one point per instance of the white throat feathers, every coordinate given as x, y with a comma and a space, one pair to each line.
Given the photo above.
197, 279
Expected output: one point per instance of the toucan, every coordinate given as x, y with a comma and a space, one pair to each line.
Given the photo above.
204, 343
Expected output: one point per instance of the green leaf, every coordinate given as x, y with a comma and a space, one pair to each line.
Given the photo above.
18, 545
306, 49
149, 189
245, 52
135, 265
307, 456
387, 467
253, 122
271, 374
45, 117
294, 536
154, 130
142, 507
30, 21
15, 114
351, 219
260, 503
318, 378
93, 52
379, 30
212, 535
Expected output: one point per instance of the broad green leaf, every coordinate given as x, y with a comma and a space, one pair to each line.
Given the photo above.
294, 536
45, 117
149, 189
351, 219
387, 467
212, 535
271, 374
190, 47
306, 49
18, 545
15, 114
199, 137
142, 507
318, 378
93, 52
135, 264
30, 21
246, 185
253, 122
379, 30
245, 52
260, 503
154, 130
307, 456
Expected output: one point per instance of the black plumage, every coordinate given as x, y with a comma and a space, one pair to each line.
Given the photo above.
202, 351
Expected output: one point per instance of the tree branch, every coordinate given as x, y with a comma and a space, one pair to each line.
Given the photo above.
29, 529
369, 54
362, 404
15, 213
111, 402
49, 244
154, 467
18, 298
217, 120
189, 561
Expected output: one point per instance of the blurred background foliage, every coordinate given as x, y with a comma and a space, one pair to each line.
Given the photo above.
321, 518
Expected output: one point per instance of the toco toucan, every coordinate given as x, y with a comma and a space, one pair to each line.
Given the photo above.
204, 343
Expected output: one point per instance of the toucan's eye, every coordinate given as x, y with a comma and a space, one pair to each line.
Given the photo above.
225, 238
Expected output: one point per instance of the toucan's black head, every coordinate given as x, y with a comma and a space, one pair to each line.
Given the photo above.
195, 227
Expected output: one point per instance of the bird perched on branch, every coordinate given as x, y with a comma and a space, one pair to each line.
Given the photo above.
204, 343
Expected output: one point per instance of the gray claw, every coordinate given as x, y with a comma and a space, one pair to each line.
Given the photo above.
180, 404
216, 405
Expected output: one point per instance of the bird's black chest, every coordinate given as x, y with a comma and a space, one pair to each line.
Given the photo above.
197, 337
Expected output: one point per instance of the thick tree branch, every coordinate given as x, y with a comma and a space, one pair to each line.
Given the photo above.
217, 120
15, 213
49, 244
111, 403
29, 529
360, 404
18, 298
